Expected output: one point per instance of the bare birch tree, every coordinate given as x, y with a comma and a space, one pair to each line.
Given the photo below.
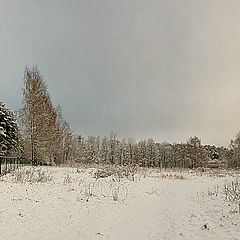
39, 118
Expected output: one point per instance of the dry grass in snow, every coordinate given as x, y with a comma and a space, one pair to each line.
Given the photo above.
105, 203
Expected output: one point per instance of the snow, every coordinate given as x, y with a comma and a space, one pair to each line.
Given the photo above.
69, 203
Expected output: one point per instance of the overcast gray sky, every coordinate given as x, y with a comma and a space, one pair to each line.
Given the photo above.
165, 69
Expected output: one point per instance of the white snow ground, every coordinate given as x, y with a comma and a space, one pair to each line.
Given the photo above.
72, 204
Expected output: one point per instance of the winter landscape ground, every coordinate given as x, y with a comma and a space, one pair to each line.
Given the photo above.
83, 203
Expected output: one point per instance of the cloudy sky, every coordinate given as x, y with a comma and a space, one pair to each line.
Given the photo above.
165, 69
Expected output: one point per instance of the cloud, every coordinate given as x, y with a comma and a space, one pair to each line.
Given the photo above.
161, 69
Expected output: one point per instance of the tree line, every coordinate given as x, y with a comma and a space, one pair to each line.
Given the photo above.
145, 153
43, 136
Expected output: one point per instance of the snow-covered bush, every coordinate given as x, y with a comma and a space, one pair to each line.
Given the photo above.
104, 172
232, 191
118, 172
31, 175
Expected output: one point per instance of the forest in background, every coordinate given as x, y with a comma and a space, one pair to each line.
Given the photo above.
38, 132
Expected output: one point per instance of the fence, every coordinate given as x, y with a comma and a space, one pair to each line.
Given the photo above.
8, 164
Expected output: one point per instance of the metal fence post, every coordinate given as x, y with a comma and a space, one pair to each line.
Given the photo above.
0, 165
6, 164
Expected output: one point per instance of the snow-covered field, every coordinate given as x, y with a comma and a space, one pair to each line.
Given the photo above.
69, 203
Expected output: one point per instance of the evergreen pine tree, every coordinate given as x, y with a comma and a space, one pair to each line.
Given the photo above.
9, 133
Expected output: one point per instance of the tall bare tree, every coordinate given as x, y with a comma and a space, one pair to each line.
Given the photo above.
39, 118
